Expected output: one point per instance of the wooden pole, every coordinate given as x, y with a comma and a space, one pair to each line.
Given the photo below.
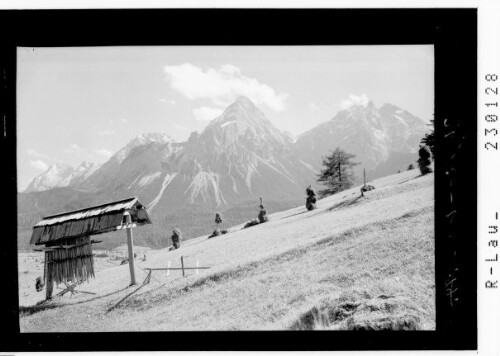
364, 176
130, 243
48, 284
168, 271
197, 264
182, 264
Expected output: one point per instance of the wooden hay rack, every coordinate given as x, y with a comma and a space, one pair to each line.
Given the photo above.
68, 246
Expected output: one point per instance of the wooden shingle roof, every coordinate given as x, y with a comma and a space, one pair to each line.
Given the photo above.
89, 221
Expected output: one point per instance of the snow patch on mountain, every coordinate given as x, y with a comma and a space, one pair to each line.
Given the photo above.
146, 180
309, 166
143, 139
401, 119
135, 180
251, 171
61, 175
200, 186
276, 169
166, 181
227, 123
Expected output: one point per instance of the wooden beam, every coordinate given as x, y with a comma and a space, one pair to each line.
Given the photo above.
130, 243
175, 268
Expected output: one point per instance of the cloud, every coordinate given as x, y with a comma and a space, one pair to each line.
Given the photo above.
206, 113
222, 85
313, 107
106, 133
163, 100
104, 152
78, 151
36, 154
39, 164
354, 100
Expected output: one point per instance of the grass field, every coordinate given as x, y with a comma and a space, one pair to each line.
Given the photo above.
353, 263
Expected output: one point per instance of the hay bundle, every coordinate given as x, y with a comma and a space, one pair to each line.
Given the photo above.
176, 238
70, 264
311, 198
367, 187
262, 215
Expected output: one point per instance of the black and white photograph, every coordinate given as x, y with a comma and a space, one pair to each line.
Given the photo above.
217, 188
247, 179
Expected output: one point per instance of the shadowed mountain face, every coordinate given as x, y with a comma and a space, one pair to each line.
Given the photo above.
239, 157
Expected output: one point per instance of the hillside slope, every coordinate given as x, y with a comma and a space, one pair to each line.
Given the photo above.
355, 262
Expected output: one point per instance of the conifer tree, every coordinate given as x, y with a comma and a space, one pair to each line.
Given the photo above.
429, 140
337, 173
424, 160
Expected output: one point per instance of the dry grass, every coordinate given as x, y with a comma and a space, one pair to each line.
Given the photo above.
270, 276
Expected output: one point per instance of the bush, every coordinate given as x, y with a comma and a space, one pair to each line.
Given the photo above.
424, 160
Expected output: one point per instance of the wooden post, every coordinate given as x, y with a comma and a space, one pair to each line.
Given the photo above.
130, 243
48, 283
182, 264
168, 271
364, 177
197, 264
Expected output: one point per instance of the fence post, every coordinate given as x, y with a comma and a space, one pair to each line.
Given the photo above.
182, 264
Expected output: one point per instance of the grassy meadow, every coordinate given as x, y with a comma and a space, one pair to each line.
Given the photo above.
353, 263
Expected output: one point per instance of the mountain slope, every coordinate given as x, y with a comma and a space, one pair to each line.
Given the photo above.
239, 157
273, 275
384, 139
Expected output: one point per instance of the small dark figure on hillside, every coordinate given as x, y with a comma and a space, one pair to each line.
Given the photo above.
410, 167
262, 213
176, 238
399, 171
366, 188
311, 198
144, 259
39, 284
218, 220
424, 160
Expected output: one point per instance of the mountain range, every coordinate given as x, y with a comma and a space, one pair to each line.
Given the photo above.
239, 157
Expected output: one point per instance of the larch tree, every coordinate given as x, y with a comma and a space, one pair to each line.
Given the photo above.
337, 173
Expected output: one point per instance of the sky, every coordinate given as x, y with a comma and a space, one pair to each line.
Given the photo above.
84, 104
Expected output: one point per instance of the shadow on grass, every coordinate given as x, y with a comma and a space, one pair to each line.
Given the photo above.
52, 304
145, 300
416, 177
344, 204
383, 312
